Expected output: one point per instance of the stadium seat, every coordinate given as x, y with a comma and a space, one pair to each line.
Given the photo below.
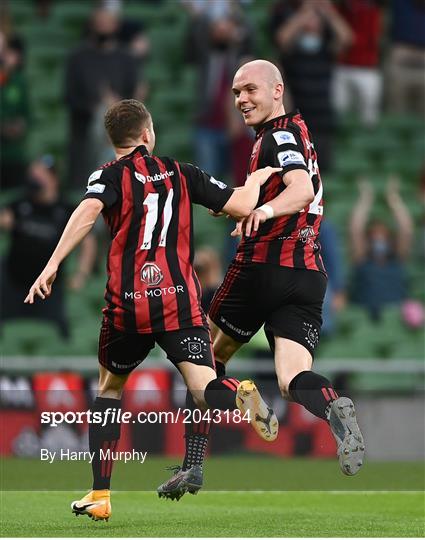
396, 144
28, 337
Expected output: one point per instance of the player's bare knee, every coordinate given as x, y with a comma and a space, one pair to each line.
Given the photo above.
110, 384
224, 349
223, 354
110, 392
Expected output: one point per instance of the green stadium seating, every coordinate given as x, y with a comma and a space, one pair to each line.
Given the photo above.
396, 144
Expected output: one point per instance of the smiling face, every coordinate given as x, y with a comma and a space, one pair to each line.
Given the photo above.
258, 90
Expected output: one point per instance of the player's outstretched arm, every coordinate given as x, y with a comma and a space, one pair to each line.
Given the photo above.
298, 194
79, 225
243, 200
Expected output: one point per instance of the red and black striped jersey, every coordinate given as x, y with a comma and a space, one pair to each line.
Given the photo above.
152, 285
287, 240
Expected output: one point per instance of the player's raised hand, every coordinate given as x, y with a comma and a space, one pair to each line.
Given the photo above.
262, 175
253, 221
42, 286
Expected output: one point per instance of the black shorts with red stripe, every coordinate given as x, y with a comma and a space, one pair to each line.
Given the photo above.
121, 352
288, 301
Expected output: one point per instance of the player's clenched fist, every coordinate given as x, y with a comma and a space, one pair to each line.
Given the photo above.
42, 286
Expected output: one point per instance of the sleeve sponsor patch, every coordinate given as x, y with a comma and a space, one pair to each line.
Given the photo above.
95, 188
284, 137
94, 176
290, 157
221, 185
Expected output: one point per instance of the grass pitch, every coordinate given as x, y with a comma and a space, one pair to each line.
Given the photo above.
222, 514
279, 497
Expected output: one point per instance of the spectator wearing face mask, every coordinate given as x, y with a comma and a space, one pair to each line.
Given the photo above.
35, 223
309, 35
379, 253
218, 40
98, 72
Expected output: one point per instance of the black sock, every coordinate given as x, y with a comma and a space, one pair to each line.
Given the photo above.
220, 393
313, 391
196, 438
197, 433
103, 437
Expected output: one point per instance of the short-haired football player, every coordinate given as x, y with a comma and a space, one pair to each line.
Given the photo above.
152, 291
277, 278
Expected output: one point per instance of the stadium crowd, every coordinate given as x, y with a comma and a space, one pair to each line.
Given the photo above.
344, 62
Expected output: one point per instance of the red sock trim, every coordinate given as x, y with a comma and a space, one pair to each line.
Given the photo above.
230, 384
333, 394
326, 395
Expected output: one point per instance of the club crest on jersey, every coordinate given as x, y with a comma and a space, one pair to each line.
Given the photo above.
306, 233
151, 274
194, 347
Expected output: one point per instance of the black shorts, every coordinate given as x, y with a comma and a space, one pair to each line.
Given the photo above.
121, 352
288, 301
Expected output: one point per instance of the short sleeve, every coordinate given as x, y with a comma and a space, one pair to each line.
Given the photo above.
105, 185
205, 189
283, 148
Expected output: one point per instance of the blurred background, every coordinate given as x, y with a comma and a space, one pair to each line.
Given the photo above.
355, 69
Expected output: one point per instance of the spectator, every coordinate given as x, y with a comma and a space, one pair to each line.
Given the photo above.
208, 269
14, 111
132, 36
213, 9
217, 42
406, 88
379, 254
308, 35
35, 223
98, 72
335, 298
357, 78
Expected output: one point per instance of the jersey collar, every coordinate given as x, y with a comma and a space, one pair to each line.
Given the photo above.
274, 123
139, 149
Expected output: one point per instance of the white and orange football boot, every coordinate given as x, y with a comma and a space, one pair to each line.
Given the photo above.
96, 504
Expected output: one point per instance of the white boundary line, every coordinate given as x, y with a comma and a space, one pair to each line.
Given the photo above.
239, 492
